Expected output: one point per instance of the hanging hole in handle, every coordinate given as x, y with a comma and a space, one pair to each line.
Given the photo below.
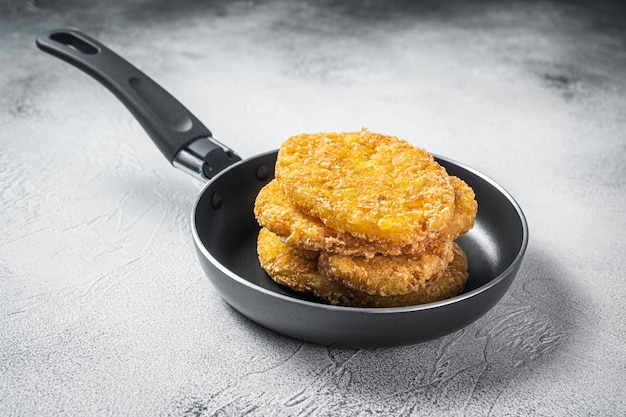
74, 43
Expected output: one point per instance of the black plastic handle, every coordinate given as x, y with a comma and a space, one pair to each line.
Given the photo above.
170, 125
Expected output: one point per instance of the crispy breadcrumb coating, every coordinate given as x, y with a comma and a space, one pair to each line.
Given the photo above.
277, 213
274, 211
290, 267
373, 186
465, 209
386, 275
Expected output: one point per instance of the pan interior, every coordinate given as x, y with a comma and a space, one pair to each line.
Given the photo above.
228, 230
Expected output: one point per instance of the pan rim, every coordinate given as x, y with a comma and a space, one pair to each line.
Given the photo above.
369, 310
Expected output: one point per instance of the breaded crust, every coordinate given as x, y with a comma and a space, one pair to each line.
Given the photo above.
277, 213
386, 275
451, 283
274, 211
290, 267
465, 209
373, 186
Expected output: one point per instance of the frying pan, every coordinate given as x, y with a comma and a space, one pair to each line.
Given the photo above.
225, 230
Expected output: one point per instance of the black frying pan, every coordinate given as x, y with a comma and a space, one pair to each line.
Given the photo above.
225, 230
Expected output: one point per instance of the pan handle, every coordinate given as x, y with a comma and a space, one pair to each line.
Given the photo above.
178, 134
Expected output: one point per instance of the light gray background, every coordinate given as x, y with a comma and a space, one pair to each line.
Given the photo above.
104, 309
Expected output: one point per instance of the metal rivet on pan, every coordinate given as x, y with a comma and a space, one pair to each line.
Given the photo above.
216, 200
262, 172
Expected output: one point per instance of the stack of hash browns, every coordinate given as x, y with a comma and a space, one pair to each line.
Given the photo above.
365, 220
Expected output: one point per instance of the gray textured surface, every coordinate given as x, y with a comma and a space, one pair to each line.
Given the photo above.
103, 307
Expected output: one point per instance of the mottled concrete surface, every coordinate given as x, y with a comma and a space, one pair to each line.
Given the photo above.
104, 309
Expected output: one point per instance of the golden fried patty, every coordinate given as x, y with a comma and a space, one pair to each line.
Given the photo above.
449, 284
288, 266
465, 209
373, 186
386, 275
277, 213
